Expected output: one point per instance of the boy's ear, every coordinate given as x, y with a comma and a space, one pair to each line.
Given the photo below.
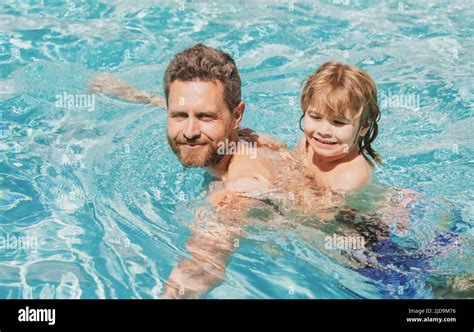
365, 129
238, 114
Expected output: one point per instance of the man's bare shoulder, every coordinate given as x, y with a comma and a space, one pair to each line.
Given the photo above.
261, 164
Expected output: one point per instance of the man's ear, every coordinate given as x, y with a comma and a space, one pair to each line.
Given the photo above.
238, 114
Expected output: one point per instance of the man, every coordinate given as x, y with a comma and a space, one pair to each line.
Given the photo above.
203, 96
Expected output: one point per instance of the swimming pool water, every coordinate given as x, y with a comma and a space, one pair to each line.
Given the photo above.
107, 205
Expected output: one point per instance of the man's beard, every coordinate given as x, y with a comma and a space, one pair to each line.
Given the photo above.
202, 157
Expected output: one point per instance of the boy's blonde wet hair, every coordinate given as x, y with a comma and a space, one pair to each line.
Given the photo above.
345, 91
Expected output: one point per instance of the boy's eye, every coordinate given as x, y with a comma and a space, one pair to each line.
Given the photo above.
340, 122
315, 117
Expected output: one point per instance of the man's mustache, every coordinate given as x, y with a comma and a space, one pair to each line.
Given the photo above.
184, 141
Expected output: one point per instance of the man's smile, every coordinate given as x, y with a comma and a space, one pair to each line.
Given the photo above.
193, 145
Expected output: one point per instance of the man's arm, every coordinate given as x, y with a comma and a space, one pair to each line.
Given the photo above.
205, 269
210, 247
251, 136
301, 144
111, 85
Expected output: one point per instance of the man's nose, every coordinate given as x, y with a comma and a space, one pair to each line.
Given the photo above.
192, 130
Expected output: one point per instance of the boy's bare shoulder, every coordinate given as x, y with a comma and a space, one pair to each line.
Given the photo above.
352, 178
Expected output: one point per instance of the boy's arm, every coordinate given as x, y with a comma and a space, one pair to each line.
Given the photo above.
111, 85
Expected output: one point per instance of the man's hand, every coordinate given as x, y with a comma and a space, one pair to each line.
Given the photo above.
214, 238
210, 251
112, 86
397, 208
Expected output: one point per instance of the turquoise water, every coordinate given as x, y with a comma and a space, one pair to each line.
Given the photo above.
106, 205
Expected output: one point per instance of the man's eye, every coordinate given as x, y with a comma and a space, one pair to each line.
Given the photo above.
179, 116
206, 117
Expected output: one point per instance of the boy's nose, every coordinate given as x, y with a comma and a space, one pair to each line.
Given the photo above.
325, 129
